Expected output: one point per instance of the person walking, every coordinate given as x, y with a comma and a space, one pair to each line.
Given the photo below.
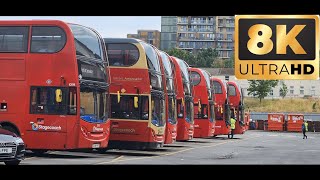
232, 127
305, 129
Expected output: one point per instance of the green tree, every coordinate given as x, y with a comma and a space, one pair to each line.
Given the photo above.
261, 88
205, 57
283, 90
218, 63
229, 63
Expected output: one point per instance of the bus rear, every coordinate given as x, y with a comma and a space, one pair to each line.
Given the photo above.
185, 128
53, 85
221, 105
171, 101
137, 95
237, 106
203, 103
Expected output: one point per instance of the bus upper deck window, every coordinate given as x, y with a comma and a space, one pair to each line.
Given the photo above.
47, 39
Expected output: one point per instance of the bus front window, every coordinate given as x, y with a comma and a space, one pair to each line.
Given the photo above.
93, 106
180, 108
171, 110
157, 110
212, 113
189, 110
203, 113
124, 109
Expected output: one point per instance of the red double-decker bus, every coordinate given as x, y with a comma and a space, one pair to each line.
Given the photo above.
235, 96
53, 85
185, 127
171, 101
221, 105
137, 95
203, 103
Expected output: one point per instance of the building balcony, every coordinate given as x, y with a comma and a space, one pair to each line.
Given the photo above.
182, 22
195, 30
202, 22
224, 39
195, 39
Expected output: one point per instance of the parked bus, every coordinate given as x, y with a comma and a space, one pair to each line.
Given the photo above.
203, 103
171, 101
53, 85
137, 95
221, 105
235, 96
185, 128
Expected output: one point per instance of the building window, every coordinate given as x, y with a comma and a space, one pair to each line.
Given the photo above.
301, 91
271, 93
150, 35
291, 87
291, 91
301, 87
313, 92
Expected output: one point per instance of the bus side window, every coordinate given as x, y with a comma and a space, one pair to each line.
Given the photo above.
47, 39
72, 109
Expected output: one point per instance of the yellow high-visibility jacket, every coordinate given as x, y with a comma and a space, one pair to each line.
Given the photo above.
233, 123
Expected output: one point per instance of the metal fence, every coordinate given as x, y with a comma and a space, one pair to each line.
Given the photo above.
264, 116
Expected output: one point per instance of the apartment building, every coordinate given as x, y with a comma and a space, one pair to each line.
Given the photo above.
197, 32
148, 36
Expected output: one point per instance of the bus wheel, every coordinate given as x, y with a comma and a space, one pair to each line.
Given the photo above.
11, 129
39, 152
12, 163
102, 150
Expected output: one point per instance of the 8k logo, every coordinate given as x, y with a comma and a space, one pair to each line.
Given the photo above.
277, 46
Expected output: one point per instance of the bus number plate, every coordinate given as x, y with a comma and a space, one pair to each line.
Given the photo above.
95, 145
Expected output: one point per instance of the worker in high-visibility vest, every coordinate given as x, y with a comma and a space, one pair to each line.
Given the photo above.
305, 129
232, 126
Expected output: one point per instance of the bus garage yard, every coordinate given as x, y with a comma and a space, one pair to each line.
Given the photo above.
253, 147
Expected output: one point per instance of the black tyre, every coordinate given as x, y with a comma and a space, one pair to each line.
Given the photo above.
12, 163
39, 152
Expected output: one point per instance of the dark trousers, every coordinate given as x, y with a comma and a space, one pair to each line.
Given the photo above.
231, 134
304, 134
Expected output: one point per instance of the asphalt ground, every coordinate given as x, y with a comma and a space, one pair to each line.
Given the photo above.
253, 147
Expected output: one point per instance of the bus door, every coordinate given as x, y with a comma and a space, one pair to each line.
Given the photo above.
47, 120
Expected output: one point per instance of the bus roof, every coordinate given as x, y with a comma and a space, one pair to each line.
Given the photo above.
121, 40
30, 22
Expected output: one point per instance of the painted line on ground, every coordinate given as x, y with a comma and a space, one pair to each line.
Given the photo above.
172, 153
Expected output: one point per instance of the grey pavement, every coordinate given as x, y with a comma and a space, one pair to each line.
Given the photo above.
253, 147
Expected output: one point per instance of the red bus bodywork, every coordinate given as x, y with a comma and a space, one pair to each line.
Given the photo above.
132, 76
171, 101
236, 106
222, 110
51, 77
184, 100
203, 103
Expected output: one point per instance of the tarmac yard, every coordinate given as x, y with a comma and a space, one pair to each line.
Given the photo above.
253, 147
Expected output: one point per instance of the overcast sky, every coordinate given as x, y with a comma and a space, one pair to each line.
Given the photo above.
107, 26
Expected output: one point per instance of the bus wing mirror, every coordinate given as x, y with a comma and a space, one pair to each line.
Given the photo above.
58, 95
199, 106
152, 105
136, 100
118, 94
172, 104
